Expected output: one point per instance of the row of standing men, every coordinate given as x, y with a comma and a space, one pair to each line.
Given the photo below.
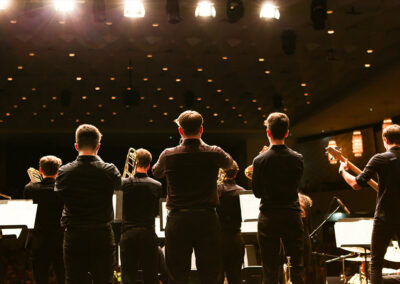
83, 191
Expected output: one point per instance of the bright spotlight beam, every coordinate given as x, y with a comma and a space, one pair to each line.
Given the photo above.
205, 9
134, 9
4, 4
269, 11
64, 6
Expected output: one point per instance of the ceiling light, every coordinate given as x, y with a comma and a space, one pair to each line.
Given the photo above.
78, 78
200, 69
199, 98
155, 25
20, 67
54, 98
224, 58
205, 9
61, 113
208, 107
24, 98
173, 11
259, 108
114, 113
77, 120
267, 72
331, 32
102, 120
8, 114
44, 106
151, 121
329, 12
99, 105
97, 88
12, 21
261, 59
88, 113
308, 102
145, 79
149, 55
109, 23
367, 65
64, 6
227, 100
245, 121
234, 10
34, 114
240, 115
154, 106
370, 51
178, 79
269, 11
219, 91
222, 121
15, 106
165, 113
233, 107
164, 69
134, 9
84, 97
159, 89
254, 100
9, 78
215, 114
112, 78
113, 98
31, 54
171, 98
71, 54
33, 89
61, 22
209, 80
303, 84
4, 4
306, 94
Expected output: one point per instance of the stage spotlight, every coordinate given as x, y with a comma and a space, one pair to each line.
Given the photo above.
64, 6
269, 11
99, 11
289, 41
318, 14
134, 9
205, 9
4, 4
234, 10
173, 11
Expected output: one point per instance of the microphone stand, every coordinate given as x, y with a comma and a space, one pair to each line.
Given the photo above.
315, 233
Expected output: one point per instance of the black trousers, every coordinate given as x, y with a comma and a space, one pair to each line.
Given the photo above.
47, 251
139, 248
273, 227
89, 250
188, 231
232, 257
382, 233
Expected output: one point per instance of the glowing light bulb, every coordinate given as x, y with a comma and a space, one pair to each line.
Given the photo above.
205, 9
270, 11
134, 9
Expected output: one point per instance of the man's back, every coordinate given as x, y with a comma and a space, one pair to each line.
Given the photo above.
49, 203
192, 170
276, 177
141, 200
86, 186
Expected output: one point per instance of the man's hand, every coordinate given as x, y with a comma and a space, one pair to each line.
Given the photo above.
344, 166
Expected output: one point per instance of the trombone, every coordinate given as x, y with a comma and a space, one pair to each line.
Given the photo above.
130, 164
34, 175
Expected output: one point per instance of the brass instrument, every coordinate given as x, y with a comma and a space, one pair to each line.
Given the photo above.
34, 175
221, 176
248, 172
286, 268
130, 164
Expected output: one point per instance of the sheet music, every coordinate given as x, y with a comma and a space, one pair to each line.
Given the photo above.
249, 205
18, 212
353, 231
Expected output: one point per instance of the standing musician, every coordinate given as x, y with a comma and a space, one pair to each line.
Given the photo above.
86, 186
139, 243
230, 216
387, 212
191, 169
47, 235
276, 177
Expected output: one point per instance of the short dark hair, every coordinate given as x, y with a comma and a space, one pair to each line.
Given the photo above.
143, 158
87, 136
392, 134
278, 124
50, 165
232, 171
190, 121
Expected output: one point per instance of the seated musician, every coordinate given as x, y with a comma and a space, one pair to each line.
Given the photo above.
230, 217
139, 243
47, 236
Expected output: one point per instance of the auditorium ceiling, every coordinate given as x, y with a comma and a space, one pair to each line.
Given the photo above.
58, 71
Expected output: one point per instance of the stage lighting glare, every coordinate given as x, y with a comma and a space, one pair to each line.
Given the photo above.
4, 4
269, 11
134, 9
64, 6
205, 9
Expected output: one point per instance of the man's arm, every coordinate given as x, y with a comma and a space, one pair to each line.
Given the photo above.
225, 160
159, 167
255, 182
362, 179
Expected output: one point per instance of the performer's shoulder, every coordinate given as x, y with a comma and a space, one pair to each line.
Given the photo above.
295, 153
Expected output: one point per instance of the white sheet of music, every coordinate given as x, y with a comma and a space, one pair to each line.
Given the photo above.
18, 212
250, 206
353, 232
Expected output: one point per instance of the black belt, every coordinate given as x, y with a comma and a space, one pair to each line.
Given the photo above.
193, 210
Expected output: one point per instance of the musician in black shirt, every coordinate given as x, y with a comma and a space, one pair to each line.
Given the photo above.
230, 217
86, 186
47, 235
387, 213
192, 170
139, 243
276, 177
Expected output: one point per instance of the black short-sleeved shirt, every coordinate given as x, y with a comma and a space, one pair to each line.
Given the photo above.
387, 167
229, 211
141, 200
86, 187
276, 178
192, 171
50, 205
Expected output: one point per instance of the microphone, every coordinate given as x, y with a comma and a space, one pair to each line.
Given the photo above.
342, 204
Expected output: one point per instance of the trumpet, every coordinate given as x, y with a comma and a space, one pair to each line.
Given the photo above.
221, 176
130, 164
34, 175
248, 172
